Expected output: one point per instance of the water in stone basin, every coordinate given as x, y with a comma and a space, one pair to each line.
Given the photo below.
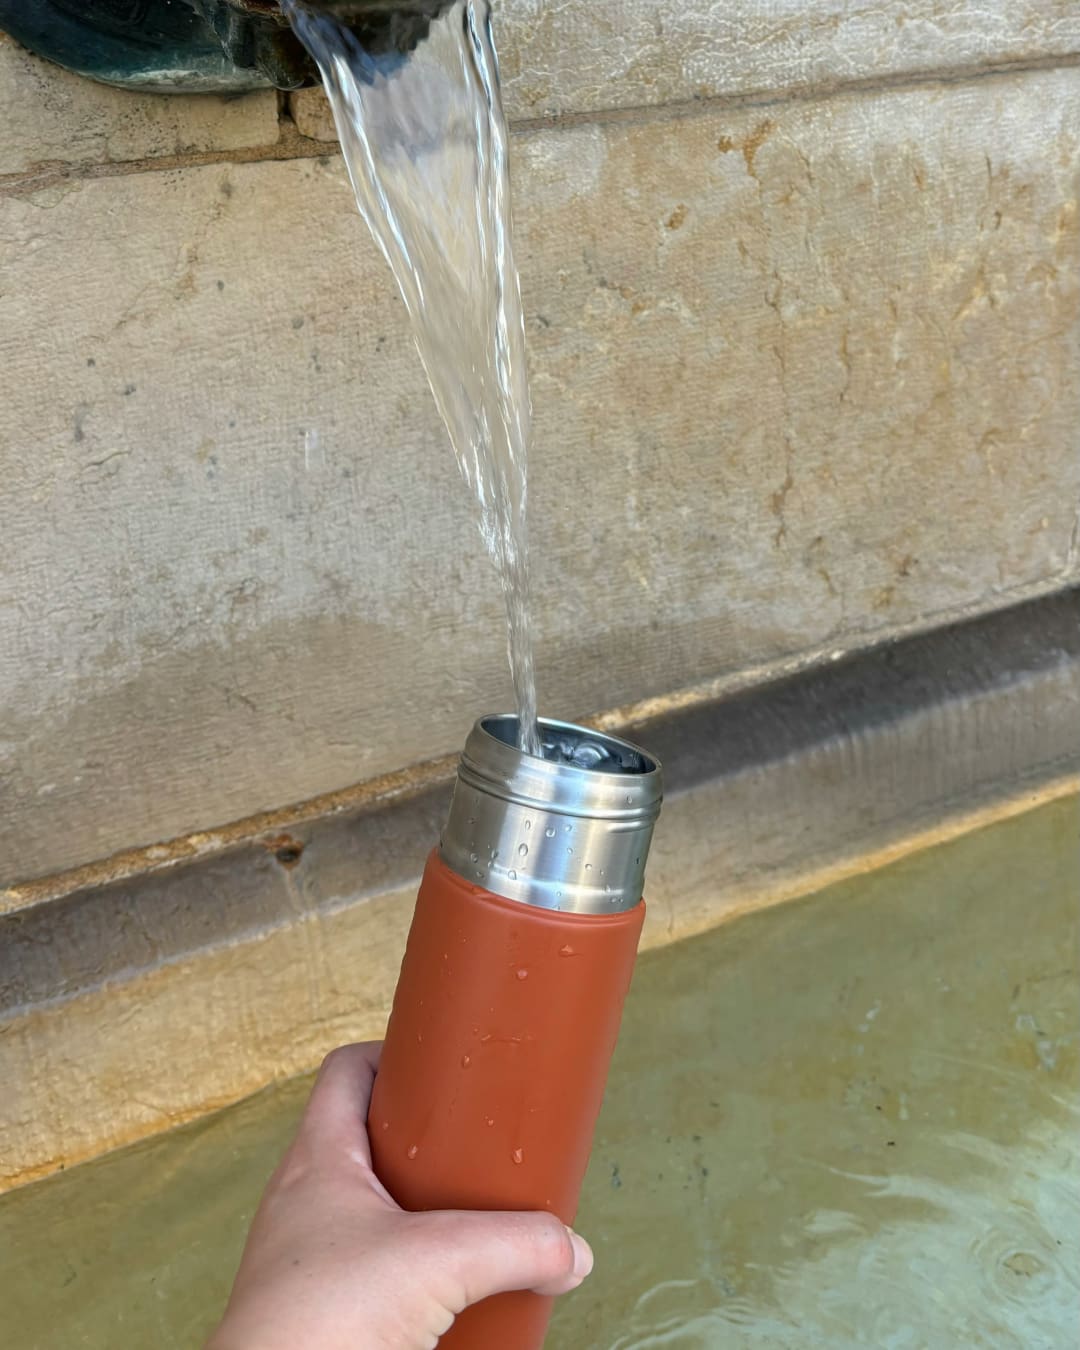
847, 1121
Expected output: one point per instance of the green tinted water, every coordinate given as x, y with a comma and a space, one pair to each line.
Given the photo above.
848, 1121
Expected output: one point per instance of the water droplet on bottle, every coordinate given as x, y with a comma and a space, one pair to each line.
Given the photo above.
419, 1039
523, 974
629, 800
474, 857
412, 1150
518, 1156
479, 876
386, 1124
569, 829
528, 824
489, 1121
523, 850
465, 1061
550, 831
485, 1038
588, 867
566, 950
512, 875
569, 852
472, 820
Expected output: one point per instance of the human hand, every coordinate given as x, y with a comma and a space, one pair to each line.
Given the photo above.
332, 1263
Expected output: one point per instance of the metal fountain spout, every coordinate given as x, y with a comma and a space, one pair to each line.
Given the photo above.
187, 46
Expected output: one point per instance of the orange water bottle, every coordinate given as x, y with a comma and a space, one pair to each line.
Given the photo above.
511, 989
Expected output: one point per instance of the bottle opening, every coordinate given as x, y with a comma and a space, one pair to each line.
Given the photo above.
568, 830
574, 746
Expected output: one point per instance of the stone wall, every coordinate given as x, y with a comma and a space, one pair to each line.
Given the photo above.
802, 295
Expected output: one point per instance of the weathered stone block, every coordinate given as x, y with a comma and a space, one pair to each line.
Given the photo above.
49, 114
802, 378
590, 55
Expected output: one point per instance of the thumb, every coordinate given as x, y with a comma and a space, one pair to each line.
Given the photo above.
480, 1254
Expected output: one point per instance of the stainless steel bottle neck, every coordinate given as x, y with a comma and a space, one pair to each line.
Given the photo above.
570, 831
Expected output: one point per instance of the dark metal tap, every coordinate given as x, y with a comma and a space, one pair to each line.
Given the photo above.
184, 46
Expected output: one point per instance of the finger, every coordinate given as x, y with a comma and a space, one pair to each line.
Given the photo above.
336, 1113
480, 1254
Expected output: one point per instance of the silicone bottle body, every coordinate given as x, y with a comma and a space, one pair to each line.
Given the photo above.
503, 1025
